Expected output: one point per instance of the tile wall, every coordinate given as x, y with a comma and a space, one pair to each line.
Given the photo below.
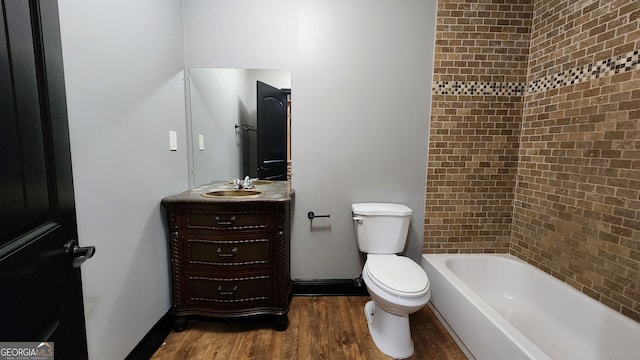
536, 150
479, 76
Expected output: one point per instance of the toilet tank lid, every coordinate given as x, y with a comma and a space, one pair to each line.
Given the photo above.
388, 209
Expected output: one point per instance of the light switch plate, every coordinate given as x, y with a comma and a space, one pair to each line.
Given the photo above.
201, 142
173, 141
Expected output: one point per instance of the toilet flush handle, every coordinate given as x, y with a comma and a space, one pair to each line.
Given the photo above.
358, 219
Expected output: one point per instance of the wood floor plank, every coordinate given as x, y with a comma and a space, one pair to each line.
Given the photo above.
331, 327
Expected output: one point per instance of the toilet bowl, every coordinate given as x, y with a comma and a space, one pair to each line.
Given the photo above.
398, 287
400, 284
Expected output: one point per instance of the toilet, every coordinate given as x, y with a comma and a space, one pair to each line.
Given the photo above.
398, 286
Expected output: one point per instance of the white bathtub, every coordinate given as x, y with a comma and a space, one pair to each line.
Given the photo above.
499, 307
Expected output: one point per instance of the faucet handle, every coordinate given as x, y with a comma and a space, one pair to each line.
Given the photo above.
248, 182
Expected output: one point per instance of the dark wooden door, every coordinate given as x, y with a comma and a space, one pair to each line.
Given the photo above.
272, 132
41, 294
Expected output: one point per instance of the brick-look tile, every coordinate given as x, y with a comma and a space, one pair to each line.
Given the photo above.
535, 139
480, 66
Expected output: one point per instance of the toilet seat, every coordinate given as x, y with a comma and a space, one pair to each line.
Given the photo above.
397, 275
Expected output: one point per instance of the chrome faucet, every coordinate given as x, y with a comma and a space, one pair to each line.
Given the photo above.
247, 183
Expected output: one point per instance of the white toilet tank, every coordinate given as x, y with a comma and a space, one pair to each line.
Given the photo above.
381, 228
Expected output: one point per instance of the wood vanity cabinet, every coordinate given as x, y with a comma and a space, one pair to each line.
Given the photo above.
229, 259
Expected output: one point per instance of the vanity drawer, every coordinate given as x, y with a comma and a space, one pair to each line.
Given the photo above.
219, 220
229, 291
227, 252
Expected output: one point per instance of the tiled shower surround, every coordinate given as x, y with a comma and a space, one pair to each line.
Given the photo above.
536, 150
480, 70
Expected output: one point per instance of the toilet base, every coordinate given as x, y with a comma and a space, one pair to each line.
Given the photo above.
391, 333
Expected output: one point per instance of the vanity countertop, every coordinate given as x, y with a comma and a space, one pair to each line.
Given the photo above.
274, 191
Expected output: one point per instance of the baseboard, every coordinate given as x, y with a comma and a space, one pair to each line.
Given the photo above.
152, 341
328, 287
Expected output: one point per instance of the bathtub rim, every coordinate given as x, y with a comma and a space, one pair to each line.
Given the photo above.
506, 328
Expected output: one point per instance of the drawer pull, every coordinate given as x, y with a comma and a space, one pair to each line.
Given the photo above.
225, 222
230, 292
233, 252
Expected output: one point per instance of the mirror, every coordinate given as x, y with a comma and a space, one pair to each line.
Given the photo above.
240, 124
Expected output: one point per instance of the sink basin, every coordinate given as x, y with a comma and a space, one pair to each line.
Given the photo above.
232, 193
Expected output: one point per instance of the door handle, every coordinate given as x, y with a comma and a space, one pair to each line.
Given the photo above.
78, 254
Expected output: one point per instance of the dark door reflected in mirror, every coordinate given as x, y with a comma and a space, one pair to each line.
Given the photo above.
240, 124
273, 106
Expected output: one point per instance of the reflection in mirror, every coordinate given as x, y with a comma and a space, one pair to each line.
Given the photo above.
240, 124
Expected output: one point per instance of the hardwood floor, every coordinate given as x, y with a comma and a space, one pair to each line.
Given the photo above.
331, 327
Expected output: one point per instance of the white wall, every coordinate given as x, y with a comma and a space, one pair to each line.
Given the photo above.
123, 65
249, 34
362, 91
361, 75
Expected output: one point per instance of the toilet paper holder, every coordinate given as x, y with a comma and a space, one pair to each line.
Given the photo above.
311, 215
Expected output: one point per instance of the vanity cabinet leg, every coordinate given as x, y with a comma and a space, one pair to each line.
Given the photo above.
282, 322
179, 323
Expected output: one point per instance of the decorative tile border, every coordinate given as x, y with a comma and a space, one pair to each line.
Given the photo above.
619, 64
478, 88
